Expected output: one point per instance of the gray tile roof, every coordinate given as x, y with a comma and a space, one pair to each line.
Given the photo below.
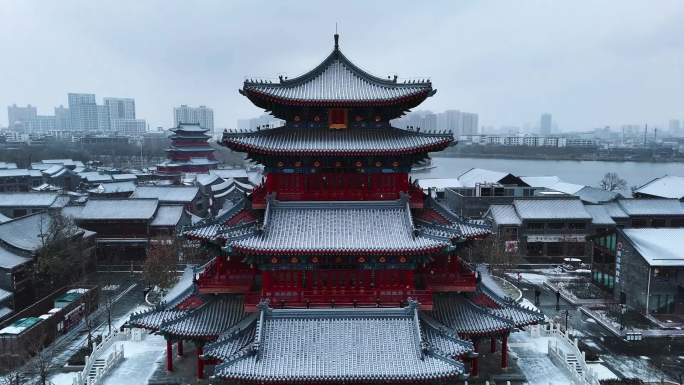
337, 79
531, 209
107, 209
504, 215
24, 233
208, 320
615, 210
168, 215
596, 195
599, 215
27, 199
172, 194
114, 187
356, 141
337, 227
476, 176
465, 317
668, 186
648, 206
9, 259
189, 127
339, 345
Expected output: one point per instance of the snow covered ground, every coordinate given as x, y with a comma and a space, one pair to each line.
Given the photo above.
534, 361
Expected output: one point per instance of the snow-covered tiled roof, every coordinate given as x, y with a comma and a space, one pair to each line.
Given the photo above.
14, 172
10, 260
337, 227
476, 176
7, 165
357, 141
466, 318
114, 187
599, 215
122, 209
25, 233
528, 209
95, 177
27, 199
208, 320
439, 183
504, 215
171, 194
546, 181
596, 195
339, 345
336, 80
189, 127
567, 188
648, 206
659, 247
190, 148
668, 186
124, 177
4, 219
168, 215
615, 210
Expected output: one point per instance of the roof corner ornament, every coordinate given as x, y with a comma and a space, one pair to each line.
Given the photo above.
337, 40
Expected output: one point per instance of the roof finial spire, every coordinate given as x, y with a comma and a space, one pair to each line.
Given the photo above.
337, 38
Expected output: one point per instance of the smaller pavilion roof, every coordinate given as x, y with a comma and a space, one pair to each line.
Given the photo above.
208, 320
28, 199
168, 215
465, 317
189, 127
476, 176
353, 141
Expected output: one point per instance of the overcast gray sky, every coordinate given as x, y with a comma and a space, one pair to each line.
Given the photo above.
589, 63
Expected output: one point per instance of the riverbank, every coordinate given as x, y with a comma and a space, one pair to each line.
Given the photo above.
590, 156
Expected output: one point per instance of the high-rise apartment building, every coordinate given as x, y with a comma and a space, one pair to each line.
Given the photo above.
129, 127
202, 115
62, 118
103, 122
675, 127
18, 116
84, 112
545, 124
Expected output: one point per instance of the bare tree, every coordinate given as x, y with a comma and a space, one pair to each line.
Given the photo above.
492, 250
612, 182
58, 260
11, 368
159, 268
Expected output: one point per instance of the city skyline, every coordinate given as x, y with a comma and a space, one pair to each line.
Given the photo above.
619, 65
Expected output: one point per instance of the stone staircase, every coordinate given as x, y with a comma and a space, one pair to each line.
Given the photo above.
99, 364
572, 362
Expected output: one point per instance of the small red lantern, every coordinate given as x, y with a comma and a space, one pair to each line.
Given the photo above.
281, 164
298, 164
294, 260
317, 163
358, 163
317, 118
358, 118
382, 259
297, 118
378, 118
395, 164
378, 164
274, 260
402, 260
362, 260
338, 164
314, 260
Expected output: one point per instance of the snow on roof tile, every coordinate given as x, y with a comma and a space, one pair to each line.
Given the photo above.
114, 187
476, 176
289, 140
171, 194
550, 209
25, 233
10, 260
659, 247
651, 206
668, 186
337, 227
339, 345
599, 215
541, 181
439, 183
596, 195
28, 199
504, 215
168, 215
133, 209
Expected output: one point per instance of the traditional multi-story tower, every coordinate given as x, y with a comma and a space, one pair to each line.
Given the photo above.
189, 151
337, 268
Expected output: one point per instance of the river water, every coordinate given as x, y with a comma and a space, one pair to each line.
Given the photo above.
580, 172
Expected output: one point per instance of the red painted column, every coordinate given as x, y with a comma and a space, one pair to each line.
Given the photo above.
474, 364
200, 363
504, 351
180, 348
493, 345
169, 355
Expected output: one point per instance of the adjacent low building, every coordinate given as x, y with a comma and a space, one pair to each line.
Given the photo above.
18, 204
650, 269
189, 196
19, 180
668, 186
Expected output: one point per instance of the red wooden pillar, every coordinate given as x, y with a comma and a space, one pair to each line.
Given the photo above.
493, 345
180, 348
474, 363
200, 363
504, 351
169, 355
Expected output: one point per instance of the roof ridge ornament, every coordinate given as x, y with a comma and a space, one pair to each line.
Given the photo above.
337, 40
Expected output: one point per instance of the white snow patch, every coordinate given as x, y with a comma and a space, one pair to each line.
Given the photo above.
62, 379
534, 362
140, 361
602, 372
183, 283
633, 367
